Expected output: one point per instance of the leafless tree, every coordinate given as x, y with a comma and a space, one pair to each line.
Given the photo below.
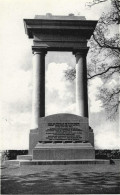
104, 57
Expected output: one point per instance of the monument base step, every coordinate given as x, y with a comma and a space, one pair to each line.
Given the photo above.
24, 157
63, 151
56, 162
12, 162
64, 162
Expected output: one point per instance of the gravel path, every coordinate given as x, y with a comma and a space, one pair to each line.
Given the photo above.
61, 179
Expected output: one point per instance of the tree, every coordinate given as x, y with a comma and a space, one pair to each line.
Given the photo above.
104, 56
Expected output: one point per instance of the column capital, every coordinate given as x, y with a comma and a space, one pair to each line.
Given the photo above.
82, 52
39, 50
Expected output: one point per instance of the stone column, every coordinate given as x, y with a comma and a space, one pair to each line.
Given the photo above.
81, 83
38, 97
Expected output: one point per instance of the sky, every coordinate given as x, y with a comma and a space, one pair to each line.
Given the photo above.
16, 74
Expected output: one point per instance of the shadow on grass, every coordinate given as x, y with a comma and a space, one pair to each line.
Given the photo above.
48, 182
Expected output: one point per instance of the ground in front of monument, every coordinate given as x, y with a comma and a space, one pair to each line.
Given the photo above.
61, 179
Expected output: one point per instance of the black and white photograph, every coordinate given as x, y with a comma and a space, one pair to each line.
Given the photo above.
60, 96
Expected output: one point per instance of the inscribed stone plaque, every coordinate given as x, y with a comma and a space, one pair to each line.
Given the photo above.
63, 127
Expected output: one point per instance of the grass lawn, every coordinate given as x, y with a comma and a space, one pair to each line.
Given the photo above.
61, 179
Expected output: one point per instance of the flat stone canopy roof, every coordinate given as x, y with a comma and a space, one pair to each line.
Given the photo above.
49, 16
67, 24
59, 33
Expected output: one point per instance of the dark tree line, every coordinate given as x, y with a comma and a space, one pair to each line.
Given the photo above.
104, 57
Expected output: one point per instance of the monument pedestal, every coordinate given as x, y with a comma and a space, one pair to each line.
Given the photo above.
62, 137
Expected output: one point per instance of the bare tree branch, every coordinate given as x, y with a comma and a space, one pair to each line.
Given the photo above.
101, 73
105, 45
90, 4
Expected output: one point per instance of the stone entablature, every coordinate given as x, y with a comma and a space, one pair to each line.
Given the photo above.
70, 26
59, 35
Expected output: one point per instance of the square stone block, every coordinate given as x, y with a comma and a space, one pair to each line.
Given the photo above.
68, 151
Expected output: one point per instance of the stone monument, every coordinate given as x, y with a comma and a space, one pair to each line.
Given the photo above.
60, 136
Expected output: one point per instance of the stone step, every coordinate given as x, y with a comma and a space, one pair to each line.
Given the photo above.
11, 162
24, 157
63, 162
